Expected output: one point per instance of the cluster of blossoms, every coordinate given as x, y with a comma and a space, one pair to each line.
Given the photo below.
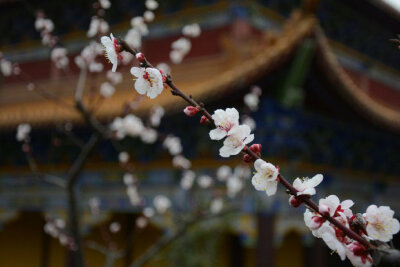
58, 54
56, 229
133, 126
376, 224
139, 28
227, 125
132, 189
182, 46
332, 221
252, 99
98, 25
107, 88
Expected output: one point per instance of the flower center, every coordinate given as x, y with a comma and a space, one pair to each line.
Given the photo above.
146, 76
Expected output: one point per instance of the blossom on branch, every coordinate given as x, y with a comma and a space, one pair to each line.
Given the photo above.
224, 120
332, 206
380, 223
307, 186
237, 139
112, 49
328, 234
161, 203
191, 30
148, 81
23, 131
107, 89
151, 4
173, 144
266, 178
358, 255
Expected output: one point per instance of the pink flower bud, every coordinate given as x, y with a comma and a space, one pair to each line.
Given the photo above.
247, 158
140, 57
191, 111
324, 210
204, 120
294, 201
256, 148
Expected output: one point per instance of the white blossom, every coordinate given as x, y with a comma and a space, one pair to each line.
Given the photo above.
148, 135
180, 161
234, 184
223, 173
141, 222
114, 77
156, 114
133, 195
331, 205
187, 179
107, 89
242, 171
148, 212
216, 205
238, 138
112, 54
129, 125
127, 57
176, 56
307, 186
139, 24
23, 131
180, 48
148, 16
96, 67
123, 157
204, 181
5, 67
151, 4
191, 30
115, 227
249, 121
182, 45
59, 57
362, 259
134, 38
380, 223
60, 223
328, 234
106, 4
266, 177
173, 144
97, 26
251, 100
148, 81
225, 121
164, 67
161, 203
42, 24
129, 179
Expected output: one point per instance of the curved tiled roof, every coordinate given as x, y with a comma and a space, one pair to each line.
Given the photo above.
210, 76
206, 76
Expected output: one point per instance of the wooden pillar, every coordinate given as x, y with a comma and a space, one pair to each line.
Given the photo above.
236, 251
46, 249
130, 232
265, 252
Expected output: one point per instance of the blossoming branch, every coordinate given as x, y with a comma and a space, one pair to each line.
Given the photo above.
349, 235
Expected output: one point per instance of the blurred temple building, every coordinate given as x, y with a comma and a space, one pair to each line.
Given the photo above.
330, 104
